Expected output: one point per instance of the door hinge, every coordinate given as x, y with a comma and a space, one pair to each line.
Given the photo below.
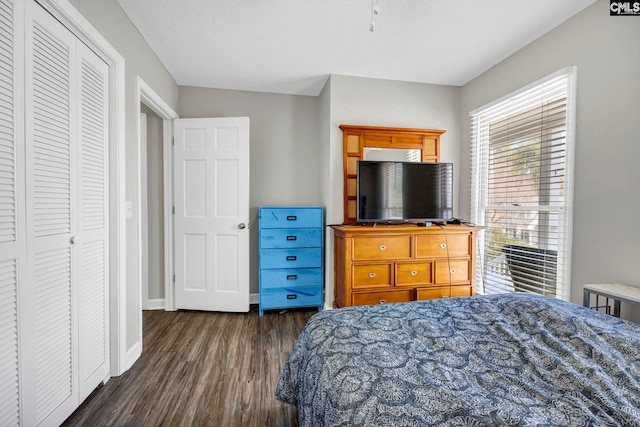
174, 278
173, 140
173, 210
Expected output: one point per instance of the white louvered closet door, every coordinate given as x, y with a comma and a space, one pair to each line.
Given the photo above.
92, 235
50, 155
66, 221
12, 239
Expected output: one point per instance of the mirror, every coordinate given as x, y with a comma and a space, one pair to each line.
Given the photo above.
392, 154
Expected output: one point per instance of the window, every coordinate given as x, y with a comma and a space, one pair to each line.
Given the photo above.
521, 153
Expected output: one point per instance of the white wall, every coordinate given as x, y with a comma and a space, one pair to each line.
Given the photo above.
285, 148
374, 102
605, 49
110, 20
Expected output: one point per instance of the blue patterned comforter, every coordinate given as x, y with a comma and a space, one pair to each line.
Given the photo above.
478, 361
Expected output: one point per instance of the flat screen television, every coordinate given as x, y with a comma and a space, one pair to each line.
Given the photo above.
391, 191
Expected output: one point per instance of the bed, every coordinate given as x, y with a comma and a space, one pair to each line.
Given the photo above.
513, 359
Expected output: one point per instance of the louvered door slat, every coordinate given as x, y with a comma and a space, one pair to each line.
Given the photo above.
7, 123
51, 134
9, 385
92, 309
9, 341
53, 329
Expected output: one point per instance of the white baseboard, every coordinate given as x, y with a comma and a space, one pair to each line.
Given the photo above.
132, 355
154, 304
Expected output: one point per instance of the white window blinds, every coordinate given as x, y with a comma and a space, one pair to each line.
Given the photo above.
521, 178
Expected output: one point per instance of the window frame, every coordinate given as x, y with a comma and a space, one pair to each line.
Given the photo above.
479, 176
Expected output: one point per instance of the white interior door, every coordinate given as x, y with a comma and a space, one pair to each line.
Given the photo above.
211, 186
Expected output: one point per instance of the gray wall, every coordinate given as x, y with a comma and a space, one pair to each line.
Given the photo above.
605, 50
375, 102
284, 151
155, 207
109, 19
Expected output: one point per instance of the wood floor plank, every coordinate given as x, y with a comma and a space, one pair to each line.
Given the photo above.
201, 369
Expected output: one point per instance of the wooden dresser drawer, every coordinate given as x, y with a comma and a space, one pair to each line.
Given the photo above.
444, 292
368, 298
459, 271
381, 247
413, 273
371, 275
442, 246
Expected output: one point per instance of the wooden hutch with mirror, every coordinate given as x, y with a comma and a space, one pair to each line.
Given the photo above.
383, 143
397, 263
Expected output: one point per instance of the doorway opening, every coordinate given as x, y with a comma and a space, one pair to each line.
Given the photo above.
155, 199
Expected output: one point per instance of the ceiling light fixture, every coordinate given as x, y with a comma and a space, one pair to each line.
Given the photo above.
374, 11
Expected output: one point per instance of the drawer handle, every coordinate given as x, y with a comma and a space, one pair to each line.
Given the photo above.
291, 258
292, 218
297, 292
383, 301
383, 247
414, 273
292, 277
453, 270
443, 245
292, 296
292, 238
372, 275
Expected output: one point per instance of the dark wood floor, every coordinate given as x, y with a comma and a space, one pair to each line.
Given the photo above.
201, 369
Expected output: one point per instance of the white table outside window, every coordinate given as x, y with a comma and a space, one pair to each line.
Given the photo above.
614, 291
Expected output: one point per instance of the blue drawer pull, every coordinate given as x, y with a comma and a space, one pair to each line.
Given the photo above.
292, 238
292, 296
292, 277
292, 258
292, 218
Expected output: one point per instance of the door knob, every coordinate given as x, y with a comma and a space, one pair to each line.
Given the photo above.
72, 240
242, 226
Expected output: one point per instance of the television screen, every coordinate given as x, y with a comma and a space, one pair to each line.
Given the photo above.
404, 191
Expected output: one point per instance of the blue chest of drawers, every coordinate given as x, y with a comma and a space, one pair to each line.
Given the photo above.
291, 241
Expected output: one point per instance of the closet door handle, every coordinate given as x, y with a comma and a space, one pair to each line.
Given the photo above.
72, 240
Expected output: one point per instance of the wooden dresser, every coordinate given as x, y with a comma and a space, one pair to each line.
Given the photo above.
398, 263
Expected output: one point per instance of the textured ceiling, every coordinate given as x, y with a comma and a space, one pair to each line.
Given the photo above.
292, 46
